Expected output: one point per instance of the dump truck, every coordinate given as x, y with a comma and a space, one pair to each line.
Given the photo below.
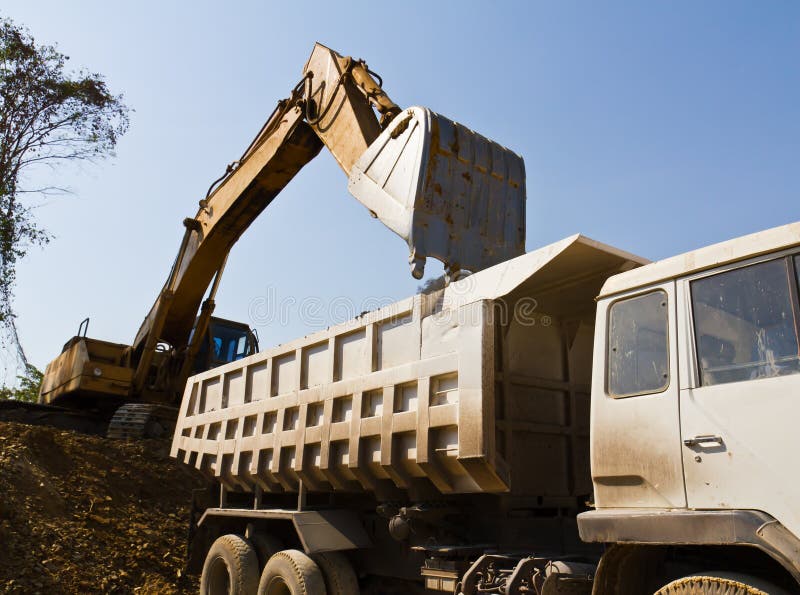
572, 420
450, 193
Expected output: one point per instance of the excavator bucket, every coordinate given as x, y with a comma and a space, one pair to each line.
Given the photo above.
449, 192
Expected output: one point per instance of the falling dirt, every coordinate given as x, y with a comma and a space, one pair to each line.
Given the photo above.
83, 514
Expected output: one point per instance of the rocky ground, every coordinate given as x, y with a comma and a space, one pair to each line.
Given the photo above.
84, 514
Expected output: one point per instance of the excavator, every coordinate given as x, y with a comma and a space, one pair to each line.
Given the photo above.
449, 192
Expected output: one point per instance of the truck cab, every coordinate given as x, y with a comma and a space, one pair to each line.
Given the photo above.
693, 418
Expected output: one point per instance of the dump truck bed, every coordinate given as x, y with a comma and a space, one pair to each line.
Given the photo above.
480, 387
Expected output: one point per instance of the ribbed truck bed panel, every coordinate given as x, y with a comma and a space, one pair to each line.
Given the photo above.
467, 388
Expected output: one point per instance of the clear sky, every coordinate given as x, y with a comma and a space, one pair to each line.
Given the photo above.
657, 127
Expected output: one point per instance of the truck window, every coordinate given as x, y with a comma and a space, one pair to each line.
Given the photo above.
638, 360
745, 323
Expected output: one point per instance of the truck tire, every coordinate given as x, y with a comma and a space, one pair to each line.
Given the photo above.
721, 584
231, 567
266, 546
338, 573
291, 572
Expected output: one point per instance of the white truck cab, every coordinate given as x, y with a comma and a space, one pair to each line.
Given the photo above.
695, 388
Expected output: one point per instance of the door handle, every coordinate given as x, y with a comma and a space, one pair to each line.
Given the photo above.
700, 440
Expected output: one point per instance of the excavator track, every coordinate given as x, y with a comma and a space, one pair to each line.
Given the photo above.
134, 421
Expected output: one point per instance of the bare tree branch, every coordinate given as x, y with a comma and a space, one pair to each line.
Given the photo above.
47, 116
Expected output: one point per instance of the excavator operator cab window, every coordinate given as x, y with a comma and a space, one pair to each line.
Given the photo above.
229, 343
224, 344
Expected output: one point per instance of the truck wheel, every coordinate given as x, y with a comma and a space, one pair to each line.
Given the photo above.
722, 584
291, 572
266, 546
231, 567
338, 573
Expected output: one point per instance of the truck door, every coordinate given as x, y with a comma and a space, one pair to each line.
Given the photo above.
739, 404
635, 428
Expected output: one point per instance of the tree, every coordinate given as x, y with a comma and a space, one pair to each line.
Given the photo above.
28, 389
47, 116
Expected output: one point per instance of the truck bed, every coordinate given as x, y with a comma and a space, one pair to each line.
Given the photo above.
481, 387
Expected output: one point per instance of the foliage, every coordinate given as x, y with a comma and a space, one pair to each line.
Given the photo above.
28, 389
47, 116
432, 284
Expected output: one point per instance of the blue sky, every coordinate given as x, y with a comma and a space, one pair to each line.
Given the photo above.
656, 127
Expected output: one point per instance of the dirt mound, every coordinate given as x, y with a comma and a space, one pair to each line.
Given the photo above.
83, 514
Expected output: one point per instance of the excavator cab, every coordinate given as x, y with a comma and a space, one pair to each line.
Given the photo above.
225, 341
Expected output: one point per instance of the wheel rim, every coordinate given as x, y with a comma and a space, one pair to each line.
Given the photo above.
219, 577
278, 586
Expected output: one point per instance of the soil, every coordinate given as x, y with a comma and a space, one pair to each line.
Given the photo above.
85, 514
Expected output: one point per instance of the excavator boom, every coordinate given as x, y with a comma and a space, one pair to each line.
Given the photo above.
222, 219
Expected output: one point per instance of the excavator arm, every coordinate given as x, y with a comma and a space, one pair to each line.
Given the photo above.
331, 106
210, 235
